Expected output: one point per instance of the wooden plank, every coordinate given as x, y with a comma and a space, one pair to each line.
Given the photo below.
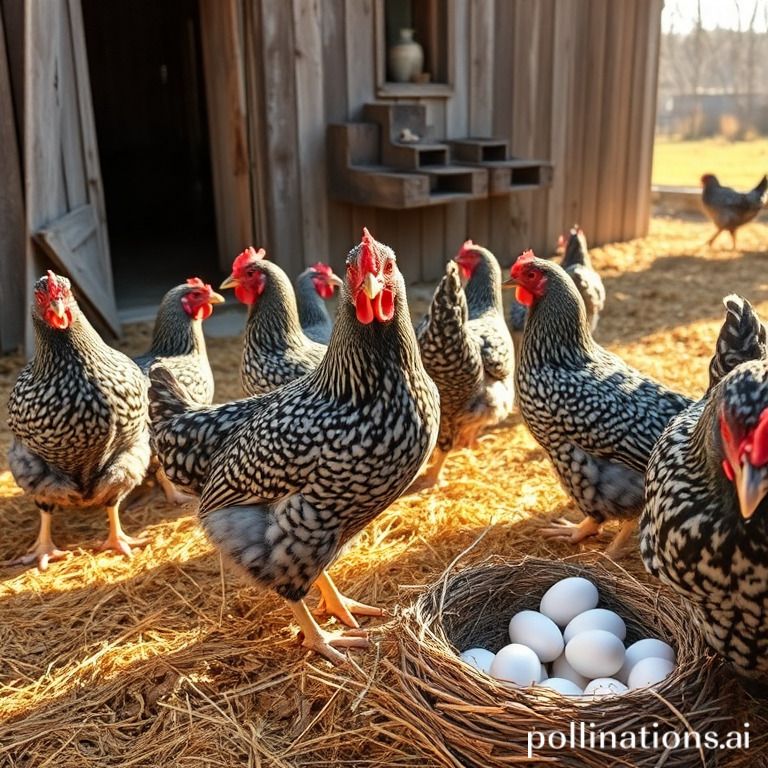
401, 231
224, 65
360, 50
455, 228
311, 121
478, 221
12, 230
457, 106
433, 248
285, 240
481, 67
13, 22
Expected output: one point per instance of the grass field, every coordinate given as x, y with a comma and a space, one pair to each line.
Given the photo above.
738, 164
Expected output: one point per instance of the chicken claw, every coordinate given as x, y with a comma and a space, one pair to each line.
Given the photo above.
322, 642
618, 546
573, 532
118, 540
43, 550
344, 608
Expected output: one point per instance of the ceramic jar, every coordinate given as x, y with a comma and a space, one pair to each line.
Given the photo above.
406, 58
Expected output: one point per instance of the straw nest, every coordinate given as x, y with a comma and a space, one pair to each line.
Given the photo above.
485, 723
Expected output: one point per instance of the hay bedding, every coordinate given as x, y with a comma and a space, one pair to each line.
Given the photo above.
167, 660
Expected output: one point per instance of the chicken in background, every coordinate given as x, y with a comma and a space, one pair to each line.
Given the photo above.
597, 418
287, 478
275, 349
314, 286
178, 342
577, 263
78, 414
704, 529
728, 208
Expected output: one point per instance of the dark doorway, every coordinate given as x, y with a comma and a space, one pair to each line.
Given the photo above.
146, 71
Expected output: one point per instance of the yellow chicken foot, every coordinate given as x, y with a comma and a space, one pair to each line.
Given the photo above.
118, 540
574, 533
172, 494
344, 608
431, 475
618, 547
322, 642
43, 550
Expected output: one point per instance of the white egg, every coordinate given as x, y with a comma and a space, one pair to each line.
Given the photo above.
561, 668
539, 633
561, 685
596, 618
479, 658
595, 653
516, 663
568, 598
649, 672
645, 649
604, 686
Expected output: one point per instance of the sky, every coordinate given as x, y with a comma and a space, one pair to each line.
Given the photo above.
680, 15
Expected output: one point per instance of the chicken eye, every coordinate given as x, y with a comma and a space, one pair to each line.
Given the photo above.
388, 268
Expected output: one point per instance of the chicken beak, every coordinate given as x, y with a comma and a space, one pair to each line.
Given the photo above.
57, 307
510, 282
335, 281
751, 486
230, 282
216, 298
371, 285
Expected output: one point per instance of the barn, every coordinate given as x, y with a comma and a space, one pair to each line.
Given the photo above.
141, 141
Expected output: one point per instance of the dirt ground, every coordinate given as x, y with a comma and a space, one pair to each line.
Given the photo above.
171, 660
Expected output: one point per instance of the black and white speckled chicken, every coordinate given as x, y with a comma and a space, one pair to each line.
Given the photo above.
577, 263
314, 286
704, 529
597, 418
275, 349
178, 342
728, 208
287, 478
78, 414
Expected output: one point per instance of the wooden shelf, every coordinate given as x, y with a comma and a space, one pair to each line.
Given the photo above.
389, 161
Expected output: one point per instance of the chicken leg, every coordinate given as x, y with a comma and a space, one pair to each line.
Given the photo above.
322, 642
172, 494
572, 532
43, 550
342, 607
617, 548
431, 475
118, 540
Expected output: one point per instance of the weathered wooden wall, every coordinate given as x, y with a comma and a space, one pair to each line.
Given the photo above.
572, 81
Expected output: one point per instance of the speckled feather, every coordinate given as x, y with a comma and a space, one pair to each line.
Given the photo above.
730, 209
693, 536
276, 350
290, 476
78, 413
596, 417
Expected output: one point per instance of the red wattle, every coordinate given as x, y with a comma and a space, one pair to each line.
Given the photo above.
363, 308
524, 296
384, 306
59, 323
324, 290
204, 311
728, 469
759, 455
245, 294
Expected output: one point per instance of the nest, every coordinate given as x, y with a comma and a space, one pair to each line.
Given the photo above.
482, 722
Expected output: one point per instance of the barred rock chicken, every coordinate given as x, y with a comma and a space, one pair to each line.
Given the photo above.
78, 414
597, 418
728, 208
577, 263
178, 341
314, 286
704, 529
287, 478
275, 349
471, 397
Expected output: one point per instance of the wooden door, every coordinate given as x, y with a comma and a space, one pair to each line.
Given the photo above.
64, 195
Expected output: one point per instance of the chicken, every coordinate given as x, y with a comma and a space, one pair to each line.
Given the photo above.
275, 349
475, 393
597, 418
178, 341
704, 529
287, 478
78, 414
578, 265
728, 208
314, 286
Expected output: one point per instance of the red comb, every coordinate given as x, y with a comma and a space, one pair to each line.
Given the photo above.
526, 257
323, 269
56, 290
759, 455
196, 282
367, 259
466, 246
249, 255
